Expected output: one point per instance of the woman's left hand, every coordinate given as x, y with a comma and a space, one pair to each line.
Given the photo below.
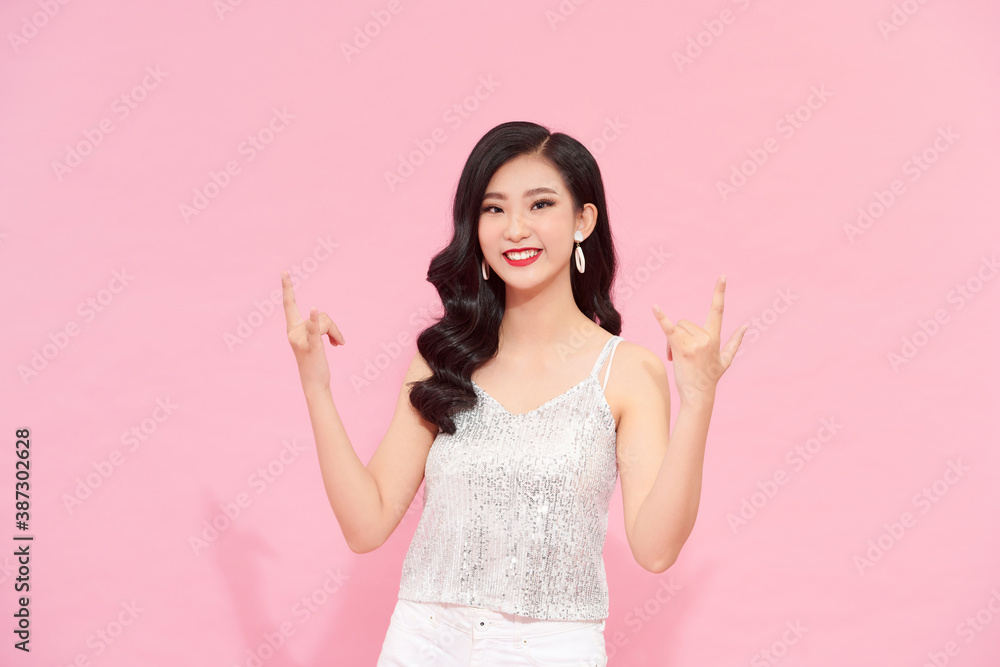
698, 361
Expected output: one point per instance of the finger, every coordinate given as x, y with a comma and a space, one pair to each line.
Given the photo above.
312, 327
666, 325
292, 317
733, 345
332, 331
714, 322
689, 327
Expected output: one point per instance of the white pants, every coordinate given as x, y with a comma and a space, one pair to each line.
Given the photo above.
448, 635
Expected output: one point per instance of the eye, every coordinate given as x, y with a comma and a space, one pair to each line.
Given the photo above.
486, 209
545, 201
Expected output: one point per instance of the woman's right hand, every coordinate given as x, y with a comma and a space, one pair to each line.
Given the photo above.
306, 339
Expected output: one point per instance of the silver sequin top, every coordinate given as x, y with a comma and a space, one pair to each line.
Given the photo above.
516, 507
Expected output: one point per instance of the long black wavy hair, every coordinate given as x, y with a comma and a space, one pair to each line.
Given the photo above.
468, 334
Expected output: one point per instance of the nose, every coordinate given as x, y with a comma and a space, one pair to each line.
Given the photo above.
516, 229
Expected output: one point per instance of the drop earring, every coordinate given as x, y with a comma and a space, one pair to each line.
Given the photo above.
581, 263
486, 270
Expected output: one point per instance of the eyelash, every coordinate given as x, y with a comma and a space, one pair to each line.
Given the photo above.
486, 209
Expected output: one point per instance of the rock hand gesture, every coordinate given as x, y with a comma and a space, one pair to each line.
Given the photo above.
698, 361
306, 339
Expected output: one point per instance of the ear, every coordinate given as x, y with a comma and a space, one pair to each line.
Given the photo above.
586, 220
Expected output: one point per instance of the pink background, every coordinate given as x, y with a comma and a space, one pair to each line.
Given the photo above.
828, 308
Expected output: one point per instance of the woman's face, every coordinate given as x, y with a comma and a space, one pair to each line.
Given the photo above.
527, 206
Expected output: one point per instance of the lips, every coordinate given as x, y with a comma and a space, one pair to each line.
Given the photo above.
520, 250
522, 262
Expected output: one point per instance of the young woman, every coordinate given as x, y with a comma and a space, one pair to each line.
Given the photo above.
510, 413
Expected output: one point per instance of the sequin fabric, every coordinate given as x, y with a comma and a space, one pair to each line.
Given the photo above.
516, 507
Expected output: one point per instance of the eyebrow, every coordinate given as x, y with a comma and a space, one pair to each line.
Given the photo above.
527, 193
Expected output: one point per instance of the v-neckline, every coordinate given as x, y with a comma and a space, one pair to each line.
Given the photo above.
543, 405
591, 375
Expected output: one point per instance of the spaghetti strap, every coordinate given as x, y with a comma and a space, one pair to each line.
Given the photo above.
607, 373
608, 347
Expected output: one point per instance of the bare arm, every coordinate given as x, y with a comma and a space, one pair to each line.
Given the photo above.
666, 494
368, 501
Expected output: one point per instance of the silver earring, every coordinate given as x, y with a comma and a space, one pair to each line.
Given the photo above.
486, 270
580, 261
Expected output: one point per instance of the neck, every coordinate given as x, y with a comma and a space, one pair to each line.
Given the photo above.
544, 317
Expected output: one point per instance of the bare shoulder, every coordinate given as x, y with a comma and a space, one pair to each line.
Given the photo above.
419, 369
406, 414
638, 363
639, 377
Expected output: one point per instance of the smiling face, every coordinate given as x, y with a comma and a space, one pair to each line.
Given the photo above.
528, 207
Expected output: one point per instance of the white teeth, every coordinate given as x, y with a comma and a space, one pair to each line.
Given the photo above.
523, 254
